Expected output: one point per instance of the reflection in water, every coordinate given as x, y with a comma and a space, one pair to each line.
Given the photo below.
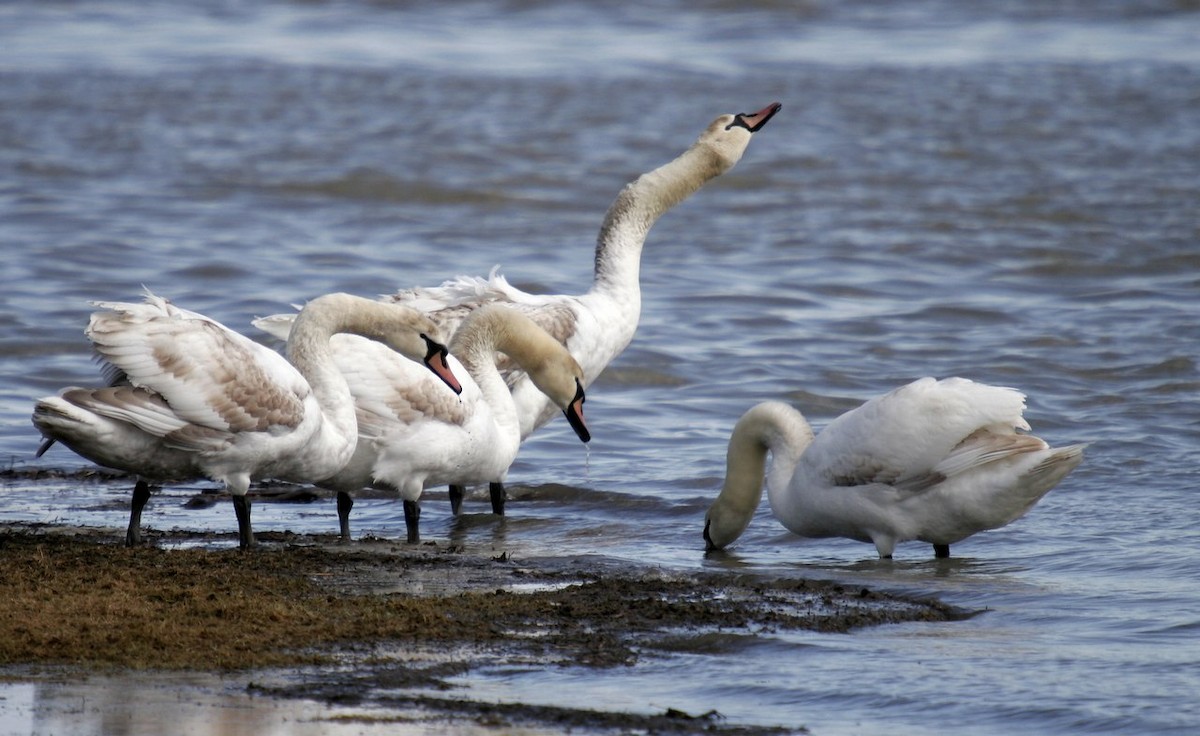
145, 704
201, 705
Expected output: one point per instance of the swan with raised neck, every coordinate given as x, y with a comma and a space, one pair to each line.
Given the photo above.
936, 461
190, 398
598, 325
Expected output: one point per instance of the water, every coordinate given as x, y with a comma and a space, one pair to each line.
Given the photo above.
1006, 191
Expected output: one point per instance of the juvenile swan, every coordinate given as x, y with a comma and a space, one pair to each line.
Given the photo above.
595, 326
933, 460
414, 434
191, 398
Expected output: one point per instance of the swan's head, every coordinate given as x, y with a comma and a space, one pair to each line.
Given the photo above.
769, 427
435, 360
729, 135
574, 412
723, 524
416, 336
561, 379
494, 328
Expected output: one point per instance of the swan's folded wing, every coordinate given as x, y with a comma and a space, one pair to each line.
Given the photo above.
903, 436
984, 447
209, 375
148, 412
390, 389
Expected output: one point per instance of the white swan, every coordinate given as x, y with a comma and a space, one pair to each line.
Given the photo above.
933, 460
414, 434
192, 398
595, 326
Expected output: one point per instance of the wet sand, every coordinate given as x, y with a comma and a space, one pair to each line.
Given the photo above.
374, 631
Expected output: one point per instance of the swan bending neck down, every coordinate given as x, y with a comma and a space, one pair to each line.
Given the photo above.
414, 436
191, 398
936, 461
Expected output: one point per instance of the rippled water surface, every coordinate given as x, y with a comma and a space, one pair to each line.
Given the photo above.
1007, 191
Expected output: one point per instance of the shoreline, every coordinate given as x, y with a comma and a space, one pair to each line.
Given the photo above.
382, 626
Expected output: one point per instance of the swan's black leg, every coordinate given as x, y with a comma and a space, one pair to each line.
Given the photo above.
241, 507
141, 494
456, 499
412, 520
941, 550
497, 492
344, 504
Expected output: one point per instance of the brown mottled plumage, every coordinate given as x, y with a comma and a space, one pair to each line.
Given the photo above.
197, 399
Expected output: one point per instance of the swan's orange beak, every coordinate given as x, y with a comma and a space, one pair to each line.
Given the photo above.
574, 412
754, 121
435, 360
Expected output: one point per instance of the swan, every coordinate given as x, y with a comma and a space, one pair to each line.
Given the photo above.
191, 398
414, 435
597, 325
932, 460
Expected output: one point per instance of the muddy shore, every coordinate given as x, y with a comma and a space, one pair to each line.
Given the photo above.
384, 625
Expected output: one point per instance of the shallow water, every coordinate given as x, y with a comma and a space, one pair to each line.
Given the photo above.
1008, 193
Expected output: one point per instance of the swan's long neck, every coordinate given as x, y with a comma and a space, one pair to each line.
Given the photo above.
489, 330
771, 427
637, 208
308, 349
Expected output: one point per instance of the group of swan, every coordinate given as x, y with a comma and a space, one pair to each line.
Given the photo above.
935, 460
594, 327
413, 435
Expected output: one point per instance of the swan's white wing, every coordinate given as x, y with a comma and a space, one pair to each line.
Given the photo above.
390, 389
470, 291
451, 302
913, 436
208, 375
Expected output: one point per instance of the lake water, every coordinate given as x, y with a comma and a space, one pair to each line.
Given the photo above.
1008, 191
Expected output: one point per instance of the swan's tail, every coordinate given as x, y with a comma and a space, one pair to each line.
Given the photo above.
1041, 478
1062, 460
72, 420
60, 420
278, 326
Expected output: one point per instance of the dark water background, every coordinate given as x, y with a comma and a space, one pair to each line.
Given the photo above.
1007, 191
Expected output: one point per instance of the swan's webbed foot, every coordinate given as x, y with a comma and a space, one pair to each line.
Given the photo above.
241, 507
941, 551
498, 496
141, 494
456, 499
344, 504
412, 520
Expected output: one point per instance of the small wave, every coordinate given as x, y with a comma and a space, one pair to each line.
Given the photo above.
957, 313
372, 185
646, 377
